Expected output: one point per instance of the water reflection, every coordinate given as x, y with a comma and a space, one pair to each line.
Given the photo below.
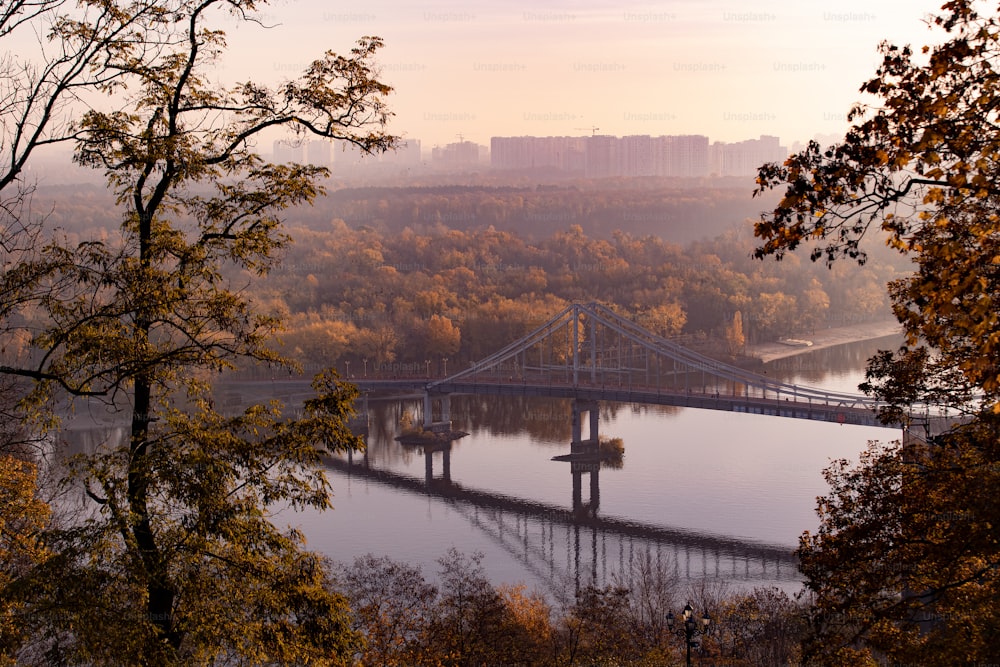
547, 421
569, 548
834, 367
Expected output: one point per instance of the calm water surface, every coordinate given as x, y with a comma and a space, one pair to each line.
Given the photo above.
718, 476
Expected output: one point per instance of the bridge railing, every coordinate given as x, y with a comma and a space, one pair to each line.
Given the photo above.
772, 394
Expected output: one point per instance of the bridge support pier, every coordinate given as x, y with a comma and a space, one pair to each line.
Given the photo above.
445, 423
590, 445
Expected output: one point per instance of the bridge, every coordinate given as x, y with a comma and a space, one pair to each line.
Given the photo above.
587, 352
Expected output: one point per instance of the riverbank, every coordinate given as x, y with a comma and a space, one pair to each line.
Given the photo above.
824, 338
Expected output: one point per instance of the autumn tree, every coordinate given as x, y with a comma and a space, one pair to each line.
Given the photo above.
464, 621
23, 518
442, 337
735, 340
392, 606
467, 626
903, 565
920, 167
176, 559
44, 69
815, 304
664, 319
763, 626
596, 628
39, 79
528, 626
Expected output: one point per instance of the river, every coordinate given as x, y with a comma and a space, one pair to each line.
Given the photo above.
711, 493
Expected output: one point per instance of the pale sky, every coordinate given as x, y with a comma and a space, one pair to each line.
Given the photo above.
728, 69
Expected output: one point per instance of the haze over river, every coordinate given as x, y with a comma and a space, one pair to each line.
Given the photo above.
699, 488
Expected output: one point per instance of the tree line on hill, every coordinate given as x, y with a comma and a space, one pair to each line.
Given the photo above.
417, 274
394, 301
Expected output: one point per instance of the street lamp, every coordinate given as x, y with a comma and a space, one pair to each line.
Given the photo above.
428, 362
366, 366
690, 629
444, 363
348, 364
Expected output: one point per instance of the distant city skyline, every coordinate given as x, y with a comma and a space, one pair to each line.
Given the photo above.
594, 155
690, 155
723, 68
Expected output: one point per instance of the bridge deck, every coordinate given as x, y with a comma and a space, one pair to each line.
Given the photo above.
801, 409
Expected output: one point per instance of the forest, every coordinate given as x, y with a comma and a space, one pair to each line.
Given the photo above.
388, 279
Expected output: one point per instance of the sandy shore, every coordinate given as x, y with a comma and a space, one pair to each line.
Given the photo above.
825, 338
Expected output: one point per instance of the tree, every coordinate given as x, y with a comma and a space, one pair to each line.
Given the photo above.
39, 79
177, 559
24, 516
407, 621
443, 338
528, 626
653, 590
378, 344
57, 53
759, 627
666, 319
772, 314
597, 628
393, 606
815, 305
904, 564
735, 340
469, 617
921, 167
50, 69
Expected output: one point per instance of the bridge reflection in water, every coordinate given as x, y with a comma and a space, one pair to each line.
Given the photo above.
570, 548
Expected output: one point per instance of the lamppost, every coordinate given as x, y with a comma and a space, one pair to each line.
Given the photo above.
690, 629
428, 362
348, 364
365, 360
444, 363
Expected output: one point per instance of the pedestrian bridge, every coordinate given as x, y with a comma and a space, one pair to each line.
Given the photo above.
588, 352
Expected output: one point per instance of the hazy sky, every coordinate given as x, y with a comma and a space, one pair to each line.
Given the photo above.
730, 69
